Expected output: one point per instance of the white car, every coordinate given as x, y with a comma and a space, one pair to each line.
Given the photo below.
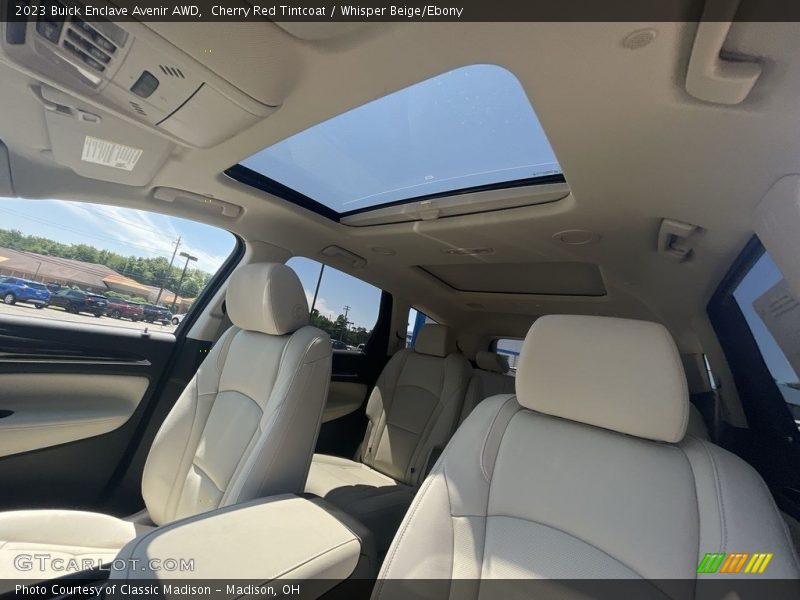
176, 319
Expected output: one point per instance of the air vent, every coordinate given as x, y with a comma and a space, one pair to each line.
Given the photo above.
172, 71
138, 108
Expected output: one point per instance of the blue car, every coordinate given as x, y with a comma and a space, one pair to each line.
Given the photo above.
14, 289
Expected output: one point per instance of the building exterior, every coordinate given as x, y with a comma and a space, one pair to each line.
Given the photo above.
89, 277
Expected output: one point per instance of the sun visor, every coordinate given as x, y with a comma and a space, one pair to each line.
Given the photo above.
98, 145
777, 224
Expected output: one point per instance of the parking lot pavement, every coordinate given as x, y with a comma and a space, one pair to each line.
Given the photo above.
59, 314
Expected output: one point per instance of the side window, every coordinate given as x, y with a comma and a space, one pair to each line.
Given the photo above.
510, 348
772, 313
416, 319
341, 305
86, 253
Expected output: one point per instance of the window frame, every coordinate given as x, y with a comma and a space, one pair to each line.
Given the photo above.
763, 404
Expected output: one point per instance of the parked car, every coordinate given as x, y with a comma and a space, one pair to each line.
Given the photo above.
14, 289
338, 345
176, 319
153, 314
119, 308
78, 301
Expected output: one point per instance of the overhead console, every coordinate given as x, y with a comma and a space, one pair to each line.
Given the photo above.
128, 69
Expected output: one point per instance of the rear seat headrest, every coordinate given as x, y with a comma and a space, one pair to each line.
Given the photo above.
491, 361
266, 297
618, 374
435, 340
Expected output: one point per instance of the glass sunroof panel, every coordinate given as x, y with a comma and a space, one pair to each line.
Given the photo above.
467, 128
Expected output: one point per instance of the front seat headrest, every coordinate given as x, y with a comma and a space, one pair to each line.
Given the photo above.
266, 297
435, 340
618, 374
491, 361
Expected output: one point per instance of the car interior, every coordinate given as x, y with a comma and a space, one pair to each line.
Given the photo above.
596, 224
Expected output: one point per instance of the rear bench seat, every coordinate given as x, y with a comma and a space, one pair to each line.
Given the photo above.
412, 411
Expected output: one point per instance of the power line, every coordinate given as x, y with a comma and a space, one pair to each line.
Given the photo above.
105, 215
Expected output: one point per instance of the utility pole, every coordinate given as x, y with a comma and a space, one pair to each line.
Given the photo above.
316, 290
344, 325
176, 243
180, 283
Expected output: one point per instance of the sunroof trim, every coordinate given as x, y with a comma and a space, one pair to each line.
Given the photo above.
265, 184
470, 128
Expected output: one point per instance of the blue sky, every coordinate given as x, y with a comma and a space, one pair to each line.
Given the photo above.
126, 231
761, 277
468, 127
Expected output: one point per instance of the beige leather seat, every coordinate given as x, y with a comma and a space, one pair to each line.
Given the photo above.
489, 379
585, 473
412, 411
244, 427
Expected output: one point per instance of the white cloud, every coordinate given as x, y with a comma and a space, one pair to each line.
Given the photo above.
141, 233
321, 305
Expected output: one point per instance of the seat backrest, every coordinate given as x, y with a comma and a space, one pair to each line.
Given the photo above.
696, 426
585, 474
488, 380
247, 423
415, 405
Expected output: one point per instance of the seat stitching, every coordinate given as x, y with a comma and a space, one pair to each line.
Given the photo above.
401, 428
720, 501
171, 506
181, 482
208, 476
283, 406
696, 496
590, 544
452, 529
315, 557
486, 438
388, 401
257, 434
684, 386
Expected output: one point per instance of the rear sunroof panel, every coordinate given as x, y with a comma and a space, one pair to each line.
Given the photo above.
469, 128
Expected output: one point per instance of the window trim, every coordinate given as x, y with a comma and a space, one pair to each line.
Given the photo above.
762, 401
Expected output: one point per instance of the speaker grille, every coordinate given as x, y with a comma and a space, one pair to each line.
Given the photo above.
172, 71
138, 108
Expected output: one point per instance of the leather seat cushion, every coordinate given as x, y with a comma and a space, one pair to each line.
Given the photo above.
70, 535
376, 500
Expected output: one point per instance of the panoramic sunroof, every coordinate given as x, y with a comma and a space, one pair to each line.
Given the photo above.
469, 129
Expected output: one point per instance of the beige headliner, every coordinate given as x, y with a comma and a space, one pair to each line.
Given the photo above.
635, 148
